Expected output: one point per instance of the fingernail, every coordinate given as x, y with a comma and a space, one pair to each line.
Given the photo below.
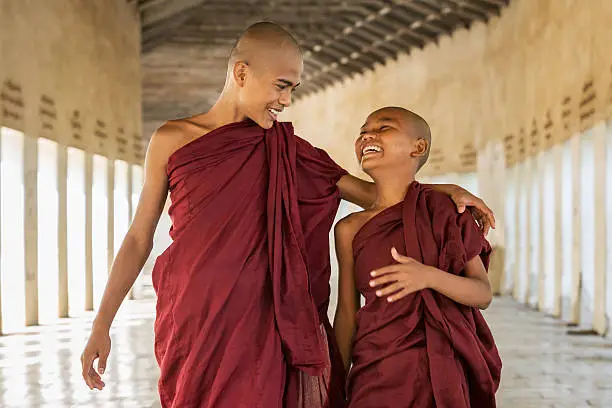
378, 293
102, 370
371, 283
389, 299
373, 273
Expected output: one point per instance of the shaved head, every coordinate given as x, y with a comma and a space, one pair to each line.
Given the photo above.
265, 67
419, 128
261, 39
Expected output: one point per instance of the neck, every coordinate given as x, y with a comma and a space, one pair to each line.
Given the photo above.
391, 187
225, 110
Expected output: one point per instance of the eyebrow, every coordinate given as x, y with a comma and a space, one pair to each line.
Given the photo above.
382, 120
289, 83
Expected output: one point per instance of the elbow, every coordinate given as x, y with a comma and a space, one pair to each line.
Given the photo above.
136, 243
486, 302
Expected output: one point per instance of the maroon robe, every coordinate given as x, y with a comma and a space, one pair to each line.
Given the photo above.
238, 316
424, 350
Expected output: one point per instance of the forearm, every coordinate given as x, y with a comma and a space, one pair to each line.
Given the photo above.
467, 291
344, 330
447, 189
127, 265
357, 191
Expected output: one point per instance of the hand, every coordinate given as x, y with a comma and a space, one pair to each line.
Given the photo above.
98, 347
482, 213
404, 278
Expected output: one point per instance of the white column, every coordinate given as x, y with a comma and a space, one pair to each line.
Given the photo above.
30, 163
62, 230
599, 147
576, 230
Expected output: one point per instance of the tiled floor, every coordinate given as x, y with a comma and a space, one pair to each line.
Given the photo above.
543, 367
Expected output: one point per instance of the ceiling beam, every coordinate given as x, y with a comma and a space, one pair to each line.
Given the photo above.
159, 10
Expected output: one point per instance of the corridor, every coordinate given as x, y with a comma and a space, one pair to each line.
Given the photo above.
517, 95
543, 366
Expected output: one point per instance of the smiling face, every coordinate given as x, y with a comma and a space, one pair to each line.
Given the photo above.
265, 68
391, 138
266, 84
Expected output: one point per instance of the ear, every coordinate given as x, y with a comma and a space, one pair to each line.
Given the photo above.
240, 72
420, 148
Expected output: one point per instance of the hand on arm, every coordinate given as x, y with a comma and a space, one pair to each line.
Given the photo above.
130, 259
464, 199
409, 276
348, 297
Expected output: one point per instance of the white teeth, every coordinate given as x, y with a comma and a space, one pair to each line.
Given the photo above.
274, 111
371, 149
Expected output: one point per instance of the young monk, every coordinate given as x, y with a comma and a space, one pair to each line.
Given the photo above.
420, 340
242, 291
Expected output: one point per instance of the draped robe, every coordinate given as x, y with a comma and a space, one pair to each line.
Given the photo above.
424, 350
242, 288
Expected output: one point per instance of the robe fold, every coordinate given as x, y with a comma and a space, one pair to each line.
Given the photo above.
424, 350
240, 289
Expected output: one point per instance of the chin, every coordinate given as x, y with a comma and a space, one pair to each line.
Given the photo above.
370, 164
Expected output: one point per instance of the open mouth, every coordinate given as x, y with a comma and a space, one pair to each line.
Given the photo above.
369, 150
274, 113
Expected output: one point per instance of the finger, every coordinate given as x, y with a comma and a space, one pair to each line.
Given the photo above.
399, 258
483, 223
394, 287
392, 277
485, 211
87, 365
95, 379
402, 293
491, 218
385, 270
102, 363
461, 208
486, 225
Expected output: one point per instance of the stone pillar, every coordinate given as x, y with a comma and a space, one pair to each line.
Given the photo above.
88, 231
600, 324
576, 231
30, 163
62, 232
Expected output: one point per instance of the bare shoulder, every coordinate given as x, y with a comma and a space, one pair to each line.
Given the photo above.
347, 227
169, 137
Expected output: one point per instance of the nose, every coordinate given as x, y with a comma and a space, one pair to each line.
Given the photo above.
285, 98
367, 136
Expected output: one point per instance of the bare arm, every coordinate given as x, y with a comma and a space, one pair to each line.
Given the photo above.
357, 191
132, 255
473, 289
348, 297
409, 275
138, 241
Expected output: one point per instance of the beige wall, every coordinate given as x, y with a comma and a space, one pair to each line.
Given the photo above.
481, 84
70, 72
77, 55
498, 95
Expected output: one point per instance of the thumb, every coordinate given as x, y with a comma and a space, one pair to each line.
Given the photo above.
399, 258
461, 208
102, 363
